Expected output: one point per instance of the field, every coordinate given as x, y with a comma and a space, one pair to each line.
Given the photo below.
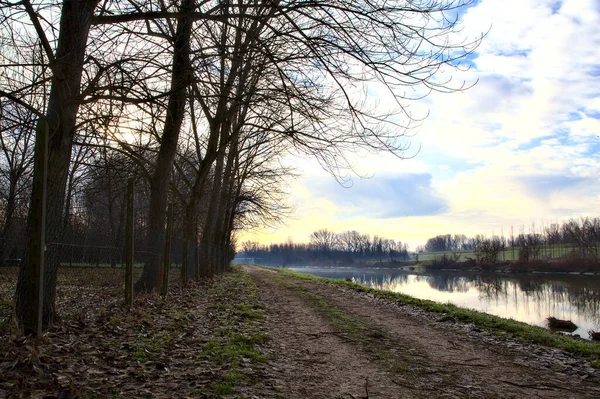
546, 252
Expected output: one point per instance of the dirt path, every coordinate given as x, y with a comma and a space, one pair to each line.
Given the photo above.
329, 342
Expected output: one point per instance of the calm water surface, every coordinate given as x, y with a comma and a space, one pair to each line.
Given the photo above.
529, 298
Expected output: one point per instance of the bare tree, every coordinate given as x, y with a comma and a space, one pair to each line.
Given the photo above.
16, 163
65, 60
323, 241
350, 241
181, 76
291, 71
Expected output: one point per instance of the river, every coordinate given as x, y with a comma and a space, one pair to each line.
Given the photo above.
529, 298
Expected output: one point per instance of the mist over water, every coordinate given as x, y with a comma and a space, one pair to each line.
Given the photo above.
529, 298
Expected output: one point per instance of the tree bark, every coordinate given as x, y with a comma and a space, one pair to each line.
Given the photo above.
191, 209
159, 182
209, 231
7, 244
63, 105
222, 226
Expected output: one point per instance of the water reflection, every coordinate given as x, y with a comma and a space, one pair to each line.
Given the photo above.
530, 298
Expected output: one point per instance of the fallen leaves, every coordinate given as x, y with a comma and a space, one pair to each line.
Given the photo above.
100, 349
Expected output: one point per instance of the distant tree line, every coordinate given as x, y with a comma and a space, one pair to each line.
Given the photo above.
449, 243
573, 238
325, 245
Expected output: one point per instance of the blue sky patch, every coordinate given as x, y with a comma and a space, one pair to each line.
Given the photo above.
595, 71
592, 114
555, 6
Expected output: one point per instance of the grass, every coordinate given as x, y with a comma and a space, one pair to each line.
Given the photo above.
237, 342
494, 324
235, 347
223, 388
509, 254
250, 312
149, 348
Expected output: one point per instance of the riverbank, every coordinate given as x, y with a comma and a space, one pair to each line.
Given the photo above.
455, 314
573, 265
526, 297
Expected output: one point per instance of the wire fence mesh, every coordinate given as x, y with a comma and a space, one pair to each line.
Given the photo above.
88, 274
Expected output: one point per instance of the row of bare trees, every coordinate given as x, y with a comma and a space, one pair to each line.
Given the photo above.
574, 237
200, 100
326, 245
448, 243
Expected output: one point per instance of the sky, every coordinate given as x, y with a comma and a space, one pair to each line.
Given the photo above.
521, 147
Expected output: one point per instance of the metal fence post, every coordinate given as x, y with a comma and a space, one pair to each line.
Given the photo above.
197, 259
167, 259
34, 269
184, 263
129, 246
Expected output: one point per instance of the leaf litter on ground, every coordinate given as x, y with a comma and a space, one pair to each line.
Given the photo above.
201, 341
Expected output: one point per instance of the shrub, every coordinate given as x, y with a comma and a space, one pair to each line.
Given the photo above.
441, 262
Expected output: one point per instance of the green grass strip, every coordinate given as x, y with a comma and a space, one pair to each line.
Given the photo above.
240, 314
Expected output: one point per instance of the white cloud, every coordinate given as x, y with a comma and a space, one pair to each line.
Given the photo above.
534, 70
584, 129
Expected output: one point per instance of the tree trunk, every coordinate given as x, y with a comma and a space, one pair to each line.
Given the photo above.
117, 235
61, 115
222, 226
191, 209
159, 182
228, 223
208, 234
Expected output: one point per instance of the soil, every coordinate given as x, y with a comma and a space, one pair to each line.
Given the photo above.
411, 356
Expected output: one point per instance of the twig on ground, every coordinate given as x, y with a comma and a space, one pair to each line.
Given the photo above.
404, 384
534, 386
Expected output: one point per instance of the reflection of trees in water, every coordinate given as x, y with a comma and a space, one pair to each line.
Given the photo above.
385, 282
546, 294
543, 295
585, 299
529, 284
491, 287
488, 287
582, 294
447, 282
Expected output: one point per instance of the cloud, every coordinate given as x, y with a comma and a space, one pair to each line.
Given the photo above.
536, 70
546, 47
546, 187
383, 197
